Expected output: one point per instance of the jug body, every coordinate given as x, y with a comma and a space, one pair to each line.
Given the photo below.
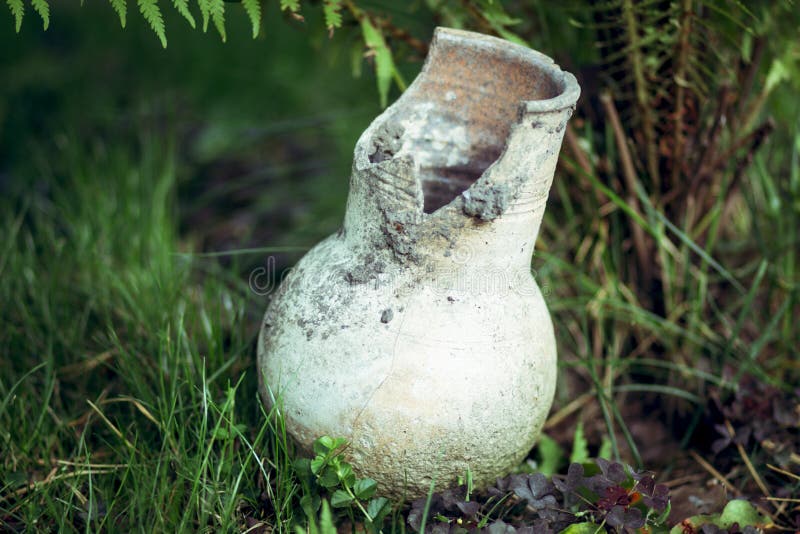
417, 331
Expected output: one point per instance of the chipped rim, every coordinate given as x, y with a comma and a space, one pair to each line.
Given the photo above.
565, 82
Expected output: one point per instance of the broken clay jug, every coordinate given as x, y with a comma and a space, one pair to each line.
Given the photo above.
417, 331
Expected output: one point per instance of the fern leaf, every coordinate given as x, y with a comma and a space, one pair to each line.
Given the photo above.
217, 8
384, 64
152, 14
43, 9
17, 9
121, 8
290, 5
205, 12
253, 9
333, 17
183, 8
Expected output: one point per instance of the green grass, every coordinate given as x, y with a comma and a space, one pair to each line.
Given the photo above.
729, 285
128, 392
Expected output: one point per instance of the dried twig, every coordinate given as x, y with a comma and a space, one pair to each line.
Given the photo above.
747, 462
709, 142
568, 410
753, 140
111, 425
400, 34
642, 90
85, 366
680, 91
629, 176
574, 146
53, 477
714, 473
783, 472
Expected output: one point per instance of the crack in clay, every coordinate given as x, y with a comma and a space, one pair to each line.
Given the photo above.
385, 378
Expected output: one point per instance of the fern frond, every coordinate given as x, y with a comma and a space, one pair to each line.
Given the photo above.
183, 8
152, 14
637, 58
290, 5
333, 17
17, 9
218, 16
384, 63
121, 7
253, 10
205, 12
43, 9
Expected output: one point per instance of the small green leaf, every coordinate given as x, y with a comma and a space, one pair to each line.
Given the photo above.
318, 463
328, 479
221, 433
183, 8
551, 455
18, 10
333, 17
580, 447
340, 499
777, 74
290, 5
253, 10
121, 7
326, 525
356, 59
43, 8
152, 14
747, 47
323, 445
661, 519
378, 508
745, 514
205, 12
606, 449
303, 467
310, 509
736, 511
310, 505
345, 473
365, 488
217, 8
384, 64
582, 528
498, 19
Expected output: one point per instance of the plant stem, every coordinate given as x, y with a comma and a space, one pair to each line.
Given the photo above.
680, 91
642, 92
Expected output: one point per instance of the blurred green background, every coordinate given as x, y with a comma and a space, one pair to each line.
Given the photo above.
262, 129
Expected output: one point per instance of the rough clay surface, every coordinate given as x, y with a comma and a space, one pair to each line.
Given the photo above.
417, 331
487, 203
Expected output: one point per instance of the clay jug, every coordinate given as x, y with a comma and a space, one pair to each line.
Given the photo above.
417, 331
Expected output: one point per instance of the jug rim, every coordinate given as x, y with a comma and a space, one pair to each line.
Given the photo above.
569, 90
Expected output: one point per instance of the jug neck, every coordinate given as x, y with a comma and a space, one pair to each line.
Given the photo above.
467, 152
499, 214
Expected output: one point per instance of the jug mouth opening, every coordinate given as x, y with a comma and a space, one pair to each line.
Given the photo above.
454, 121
